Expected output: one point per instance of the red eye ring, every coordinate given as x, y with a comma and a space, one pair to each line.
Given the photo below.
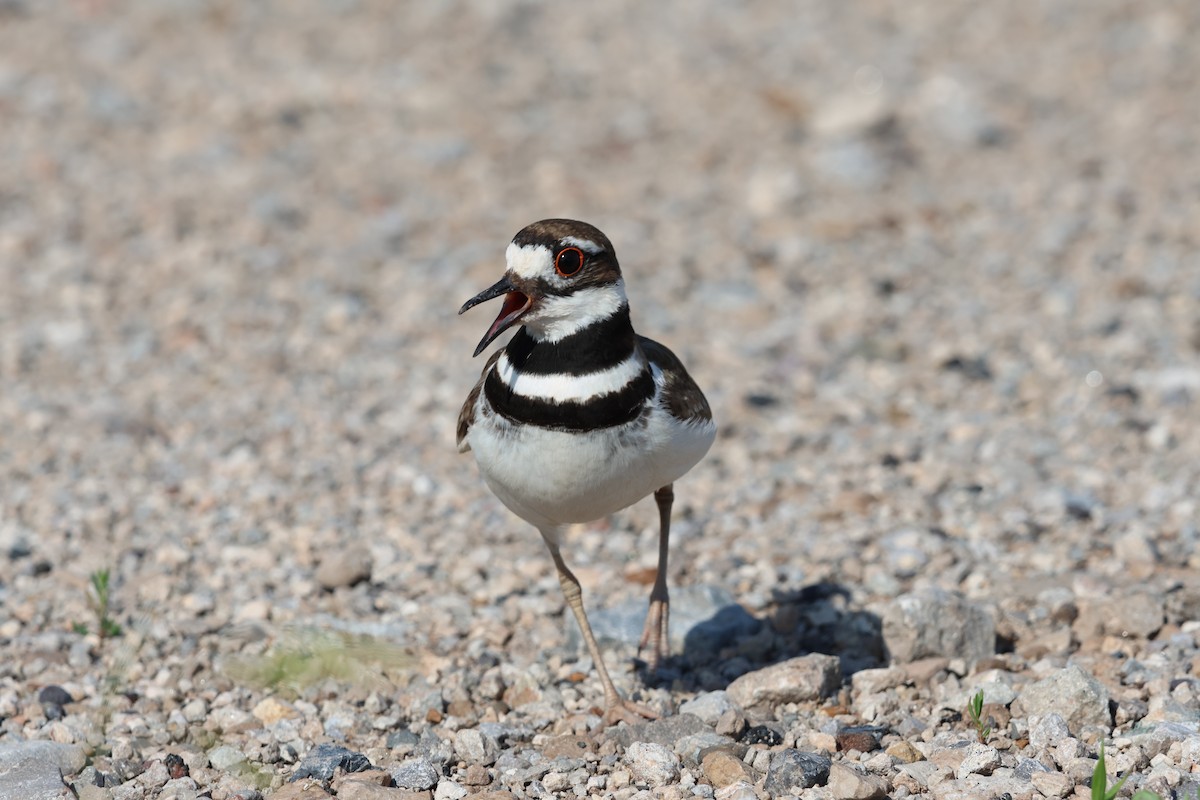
571, 264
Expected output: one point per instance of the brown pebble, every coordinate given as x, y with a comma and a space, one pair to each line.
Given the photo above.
433, 715
568, 747
477, 775
723, 768
302, 790
731, 723
860, 740
904, 752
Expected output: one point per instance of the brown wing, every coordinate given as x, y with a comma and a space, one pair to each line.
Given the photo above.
467, 415
682, 396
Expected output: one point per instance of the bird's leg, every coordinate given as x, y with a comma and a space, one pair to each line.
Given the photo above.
656, 633
616, 708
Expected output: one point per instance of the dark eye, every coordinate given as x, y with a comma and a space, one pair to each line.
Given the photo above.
568, 261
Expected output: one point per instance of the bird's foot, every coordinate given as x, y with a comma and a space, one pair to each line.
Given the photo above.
655, 634
622, 710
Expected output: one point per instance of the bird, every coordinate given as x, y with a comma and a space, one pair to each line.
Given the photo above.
579, 417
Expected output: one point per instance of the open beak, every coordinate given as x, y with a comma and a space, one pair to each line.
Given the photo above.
516, 303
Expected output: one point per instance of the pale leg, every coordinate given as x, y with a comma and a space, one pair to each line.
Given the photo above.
656, 634
616, 708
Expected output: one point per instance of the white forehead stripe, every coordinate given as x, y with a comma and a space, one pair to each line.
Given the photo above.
586, 245
529, 261
561, 388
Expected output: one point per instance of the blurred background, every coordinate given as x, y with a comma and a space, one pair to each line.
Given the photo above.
935, 265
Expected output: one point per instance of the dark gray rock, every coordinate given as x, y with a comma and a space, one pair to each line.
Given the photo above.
791, 770
1027, 766
416, 774
325, 759
938, 623
54, 695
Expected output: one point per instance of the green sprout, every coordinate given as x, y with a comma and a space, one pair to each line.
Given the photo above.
99, 597
1100, 780
975, 714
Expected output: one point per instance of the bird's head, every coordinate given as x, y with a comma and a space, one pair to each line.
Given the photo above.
562, 275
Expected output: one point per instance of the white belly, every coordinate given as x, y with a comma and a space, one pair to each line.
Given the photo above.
554, 478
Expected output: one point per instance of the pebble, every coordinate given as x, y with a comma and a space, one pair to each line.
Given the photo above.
343, 568
474, 747
848, 783
651, 764
709, 706
791, 770
1073, 694
324, 760
1048, 731
723, 768
415, 773
797, 680
937, 623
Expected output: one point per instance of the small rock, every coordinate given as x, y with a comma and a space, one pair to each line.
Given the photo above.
873, 681
791, 770
325, 759
847, 783
938, 623
415, 773
904, 752
449, 790
303, 790
474, 747
225, 757
666, 731
863, 738
1072, 693
269, 711
979, 759
732, 723
1048, 731
651, 764
477, 775
974, 787
567, 747
690, 748
54, 695
1027, 767
742, 790
811, 677
1051, 784
709, 706
723, 768
340, 568
179, 789
762, 734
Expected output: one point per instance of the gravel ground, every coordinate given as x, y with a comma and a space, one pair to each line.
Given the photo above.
935, 264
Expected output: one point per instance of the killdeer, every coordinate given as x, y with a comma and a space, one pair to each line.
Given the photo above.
578, 417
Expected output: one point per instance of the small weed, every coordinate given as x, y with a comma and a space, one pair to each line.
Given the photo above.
1100, 780
975, 714
305, 657
99, 598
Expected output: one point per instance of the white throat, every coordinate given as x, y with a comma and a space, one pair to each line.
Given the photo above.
556, 318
